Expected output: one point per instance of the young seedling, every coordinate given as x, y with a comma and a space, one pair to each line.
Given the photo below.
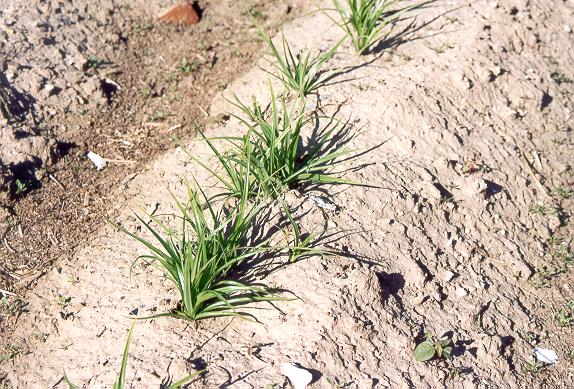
365, 21
563, 192
21, 187
121, 380
431, 348
565, 316
533, 367
94, 62
302, 72
158, 116
187, 67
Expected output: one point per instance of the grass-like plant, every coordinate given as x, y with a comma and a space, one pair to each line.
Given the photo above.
274, 150
302, 72
199, 258
121, 380
365, 21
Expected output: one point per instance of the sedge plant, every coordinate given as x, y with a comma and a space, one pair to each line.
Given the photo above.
303, 72
199, 258
366, 21
274, 150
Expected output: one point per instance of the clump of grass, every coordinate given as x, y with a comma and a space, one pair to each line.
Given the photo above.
274, 150
302, 72
199, 258
365, 21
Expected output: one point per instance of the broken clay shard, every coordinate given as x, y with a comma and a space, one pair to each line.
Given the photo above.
299, 377
182, 13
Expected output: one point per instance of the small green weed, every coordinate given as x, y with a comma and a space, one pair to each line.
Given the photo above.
63, 301
121, 380
139, 28
159, 116
560, 78
560, 250
21, 187
365, 21
563, 192
301, 72
13, 306
93, 62
187, 67
441, 49
565, 316
430, 348
545, 275
11, 351
533, 367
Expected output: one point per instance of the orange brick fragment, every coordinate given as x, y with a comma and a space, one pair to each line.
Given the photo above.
182, 13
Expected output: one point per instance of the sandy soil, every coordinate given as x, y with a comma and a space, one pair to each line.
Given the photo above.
45, 136
465, 122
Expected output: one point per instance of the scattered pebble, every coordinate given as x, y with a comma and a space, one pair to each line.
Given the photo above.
299, 377
448, 276
545, 355
98, 161
461, 292
322, 203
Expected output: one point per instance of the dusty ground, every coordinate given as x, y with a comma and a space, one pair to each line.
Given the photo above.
45, 135
466, 120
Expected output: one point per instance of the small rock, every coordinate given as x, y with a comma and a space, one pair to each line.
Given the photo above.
183, 13
448, 276
98, 161
545, 355
299, 377
461, 292
418, 300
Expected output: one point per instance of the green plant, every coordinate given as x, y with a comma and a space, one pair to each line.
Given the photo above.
364, 21
187, 67
158, 116
11, 351
63, 301
21, 187
533, 367
272, 148
563, 192
199, 258
94, 62
565, 316
13, 306
430, 348
121, 380
299, 72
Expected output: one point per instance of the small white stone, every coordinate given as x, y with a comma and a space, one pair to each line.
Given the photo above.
98, 161
299, 377
545, 355
461, 292
448, 276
